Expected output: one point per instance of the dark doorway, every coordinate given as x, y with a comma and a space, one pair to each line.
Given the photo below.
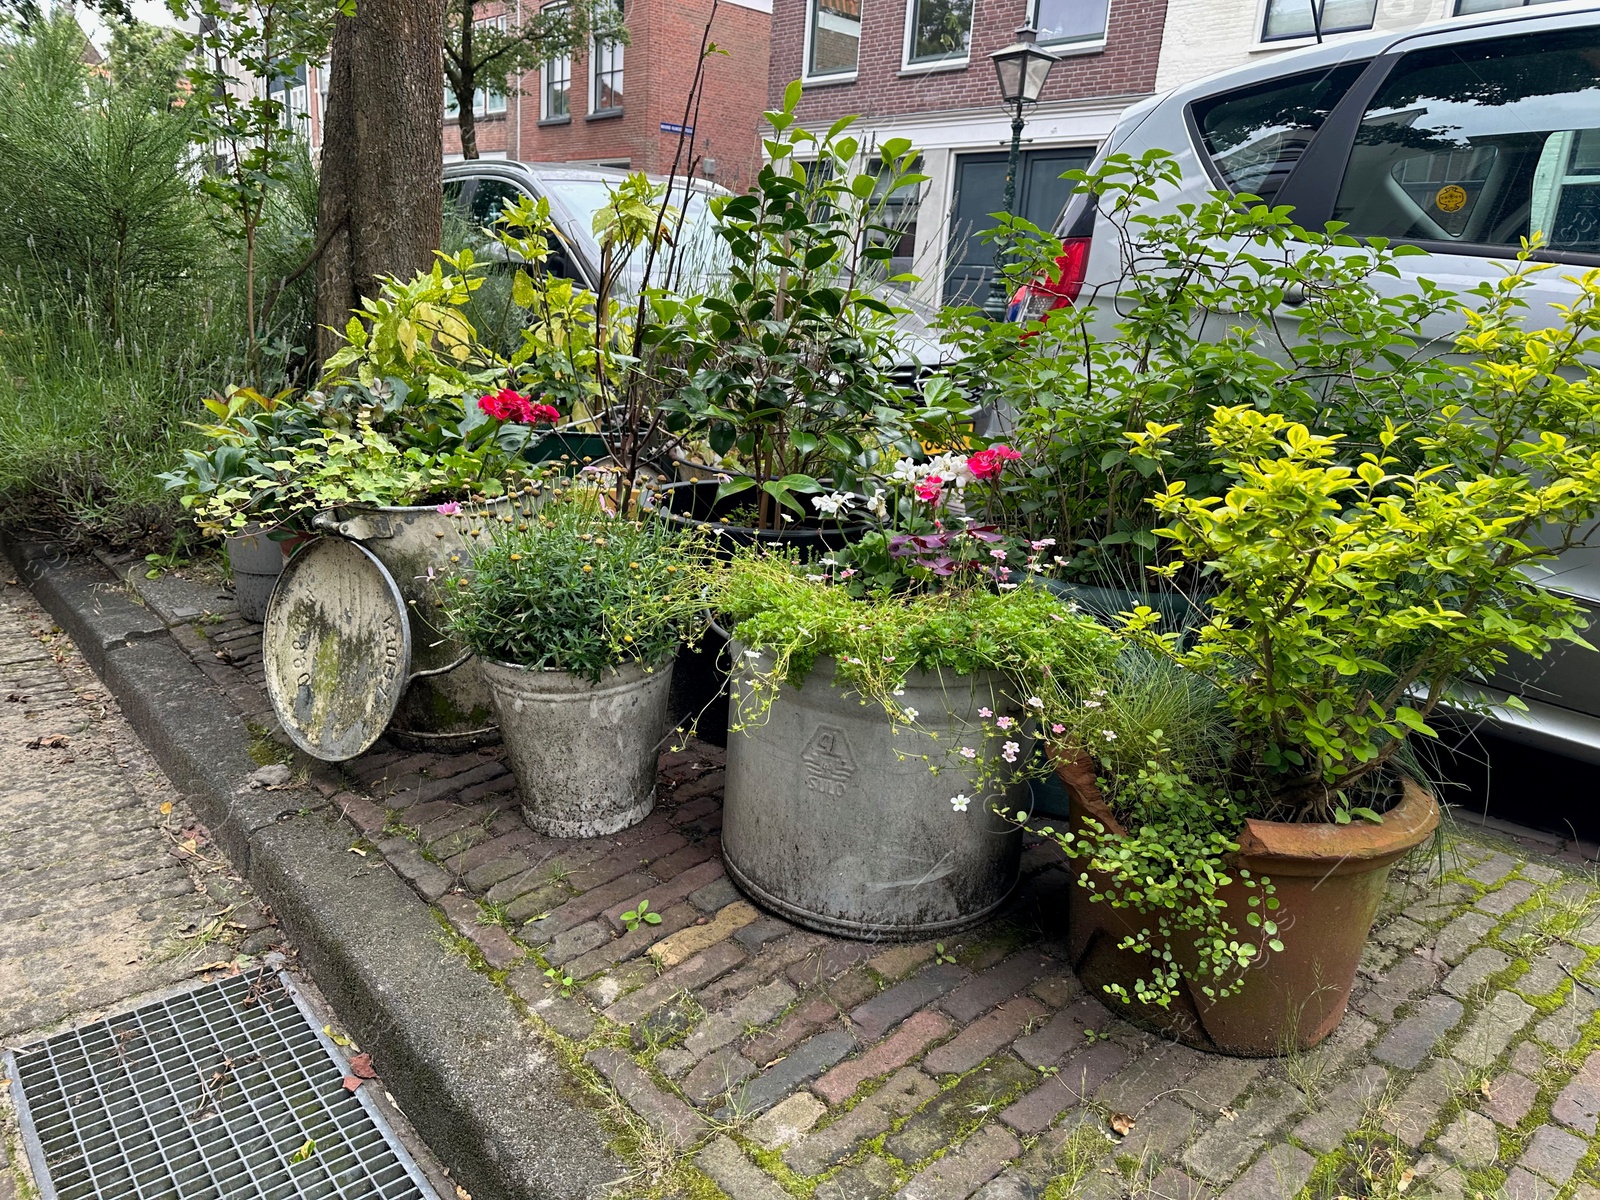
981, 190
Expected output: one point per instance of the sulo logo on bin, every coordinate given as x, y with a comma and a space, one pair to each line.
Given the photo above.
829, 763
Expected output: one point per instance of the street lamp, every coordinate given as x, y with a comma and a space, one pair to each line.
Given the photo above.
1022, 68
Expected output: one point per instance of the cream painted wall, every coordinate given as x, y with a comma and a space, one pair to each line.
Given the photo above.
1206, 36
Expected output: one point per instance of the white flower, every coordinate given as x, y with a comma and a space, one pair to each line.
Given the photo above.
1009, 751
833, 504
816, 578
1108, 735
1097, 691
959, 803
878, 506
905, 471
908, 715
899, 691
1091, 704
1035, 702
968, 752
752, 654
1042, 543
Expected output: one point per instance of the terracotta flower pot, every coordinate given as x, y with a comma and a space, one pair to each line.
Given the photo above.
1328, 881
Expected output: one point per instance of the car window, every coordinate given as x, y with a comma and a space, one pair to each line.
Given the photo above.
700, 252
1483, 143
1256, 135
455, 195
490, 198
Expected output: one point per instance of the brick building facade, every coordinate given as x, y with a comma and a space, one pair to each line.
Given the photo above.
920, 69
630, 115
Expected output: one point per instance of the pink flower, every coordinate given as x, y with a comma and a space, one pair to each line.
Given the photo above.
449, 510
987, 464
1057, 728
997, 553
1009, 752
968, 752
930, 489
1005, 722
986, 712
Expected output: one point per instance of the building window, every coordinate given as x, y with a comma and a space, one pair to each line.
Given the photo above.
1306, 18
1465, 8
489, 101
833, 37
605, 77
938, 31
556, 88
1062, 22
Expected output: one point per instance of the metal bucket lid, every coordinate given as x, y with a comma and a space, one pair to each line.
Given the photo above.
337, 649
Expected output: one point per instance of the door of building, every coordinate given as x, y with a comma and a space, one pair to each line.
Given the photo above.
980, 189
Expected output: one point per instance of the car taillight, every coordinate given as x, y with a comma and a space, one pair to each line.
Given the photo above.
1035, 299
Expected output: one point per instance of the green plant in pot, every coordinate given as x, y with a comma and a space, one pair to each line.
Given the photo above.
575, 617
1350, 602
882, 713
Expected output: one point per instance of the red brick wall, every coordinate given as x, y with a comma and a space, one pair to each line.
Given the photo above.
659, 67
1127, 66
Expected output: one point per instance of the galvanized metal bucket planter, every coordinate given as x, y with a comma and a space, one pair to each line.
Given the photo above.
584, 753
825, 823
447, 705
257, 561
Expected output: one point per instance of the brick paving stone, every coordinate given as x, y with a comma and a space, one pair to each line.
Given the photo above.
513, 844
1565, 1027
967, 1168
1217, 1084
1401, 933
1410, 977
871, 1179
1229, 1144
1414, 1038
663, 896
425, 791
1553, 1154
531, 908
1474, 970
899, 961
906, 1090
665, 1113
1524, 1185
1457, 938
1277, 1174
982, 1038
806, 1018
671, 951
1471, 1140
999, 983
1342, 1109
670, 866
642, 938
716, 1075
761, 931
1161, 1129
589, 905
1492, 869
723, 1028
483, 877
1078, 1078
1164, 1069
360, 812
1491, 1029
1063, 1034
914, 1035
715, 895
493, 942
1507, 897
829, 963
735, 1174
1550, 971
1578, 1105
770, 962
1058, 990
430, 880
587, 878
957, 1109
878, 1015
1511, 1097
571, 943
567, 1015
1173, 1184
806, 1061
687, 976
788, 1122
1411, 1116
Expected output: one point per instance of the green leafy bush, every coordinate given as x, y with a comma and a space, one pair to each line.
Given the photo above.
567, 588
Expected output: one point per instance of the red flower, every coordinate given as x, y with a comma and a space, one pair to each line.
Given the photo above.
987, 464
930, 489
505, 405
542, 414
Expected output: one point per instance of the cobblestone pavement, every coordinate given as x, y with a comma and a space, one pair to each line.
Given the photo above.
108, 886
743, 1052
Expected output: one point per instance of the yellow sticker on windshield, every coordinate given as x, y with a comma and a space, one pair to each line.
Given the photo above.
1450, 199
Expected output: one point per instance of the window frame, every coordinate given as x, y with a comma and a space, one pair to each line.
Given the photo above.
545, 71
919, 66
1287, 41
807, 76
1455, 8
598, 46
1064, 47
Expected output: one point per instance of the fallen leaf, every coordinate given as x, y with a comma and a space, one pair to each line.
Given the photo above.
462, 1193
361, 1064
166, 808
1228, 1113
1485, 1090
352, 1084
338, 1039
48, 741
1122, 1123
357, 850
1407, 1177
305, 1151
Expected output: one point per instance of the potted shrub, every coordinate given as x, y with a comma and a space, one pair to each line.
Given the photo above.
575, 617
882, 711
1228, 891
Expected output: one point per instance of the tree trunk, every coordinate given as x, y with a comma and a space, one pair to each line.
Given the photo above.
468, 125
380, 208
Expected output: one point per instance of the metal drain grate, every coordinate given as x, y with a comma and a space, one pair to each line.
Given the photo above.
227, 1091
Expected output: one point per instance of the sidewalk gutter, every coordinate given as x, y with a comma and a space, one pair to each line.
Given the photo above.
486, 1094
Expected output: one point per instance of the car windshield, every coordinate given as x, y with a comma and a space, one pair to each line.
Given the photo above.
700, 252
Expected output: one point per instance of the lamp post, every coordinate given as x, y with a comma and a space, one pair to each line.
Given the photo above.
1022, 68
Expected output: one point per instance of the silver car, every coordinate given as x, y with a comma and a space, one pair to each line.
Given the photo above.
1461, 138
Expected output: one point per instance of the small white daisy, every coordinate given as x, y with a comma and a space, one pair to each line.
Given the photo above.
959, 803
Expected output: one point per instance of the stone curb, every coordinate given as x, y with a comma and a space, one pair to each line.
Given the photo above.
487, 1095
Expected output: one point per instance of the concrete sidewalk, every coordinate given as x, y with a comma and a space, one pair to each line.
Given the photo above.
739, 1054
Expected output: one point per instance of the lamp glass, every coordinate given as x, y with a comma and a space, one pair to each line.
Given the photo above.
1009, 69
